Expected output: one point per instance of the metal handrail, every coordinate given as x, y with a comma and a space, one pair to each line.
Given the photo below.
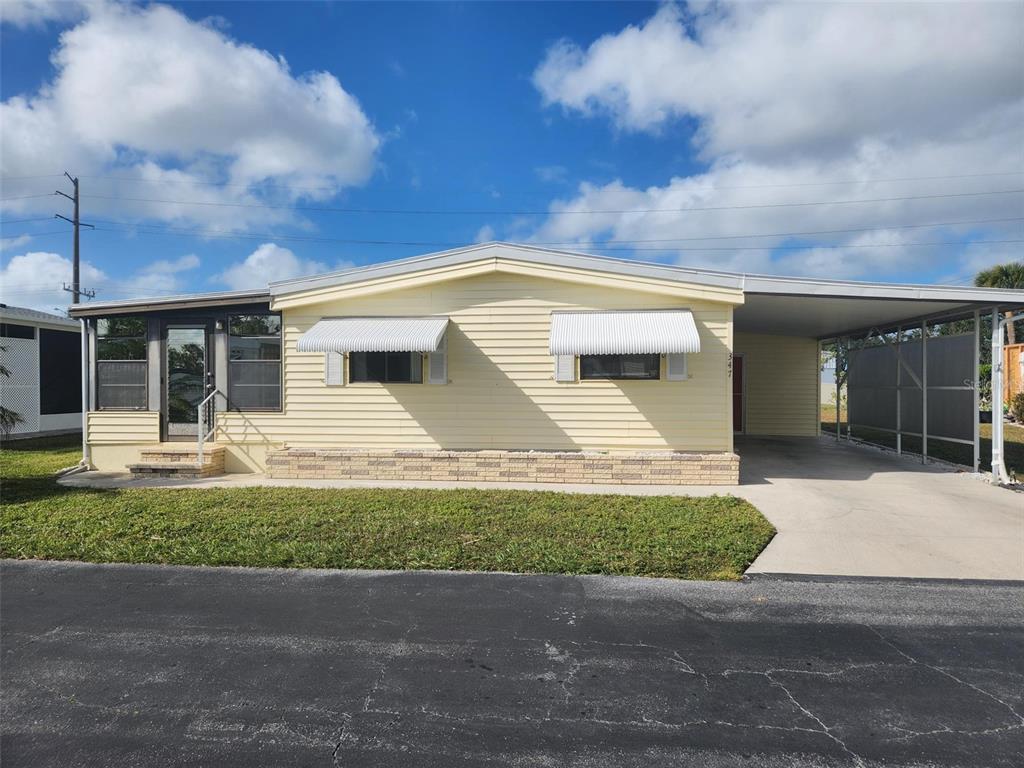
202, 434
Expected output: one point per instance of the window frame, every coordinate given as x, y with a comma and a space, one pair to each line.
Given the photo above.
415, 357
229, 363
620, 377
144, 362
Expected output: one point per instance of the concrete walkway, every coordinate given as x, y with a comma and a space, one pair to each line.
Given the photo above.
840, 509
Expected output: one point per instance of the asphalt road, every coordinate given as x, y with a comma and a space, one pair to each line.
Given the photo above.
154, 666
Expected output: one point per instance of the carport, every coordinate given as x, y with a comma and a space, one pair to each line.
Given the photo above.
909, 374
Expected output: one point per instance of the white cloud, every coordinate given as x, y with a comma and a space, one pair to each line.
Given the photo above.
36, 279
6, 243
266, 264
145, 91
793, 78
790, 99
485, 234
34, 13
551, 174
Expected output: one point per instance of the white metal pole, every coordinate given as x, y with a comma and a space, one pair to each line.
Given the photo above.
997, 397
924, 392
974, 386
86, 453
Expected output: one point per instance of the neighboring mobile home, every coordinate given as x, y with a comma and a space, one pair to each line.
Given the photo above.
492, 362
43, 385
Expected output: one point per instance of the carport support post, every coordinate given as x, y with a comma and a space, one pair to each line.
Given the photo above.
977, 397
997, 398
924, 392
835, 359
899, 398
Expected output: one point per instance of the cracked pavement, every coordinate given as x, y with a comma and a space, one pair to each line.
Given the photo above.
160, 666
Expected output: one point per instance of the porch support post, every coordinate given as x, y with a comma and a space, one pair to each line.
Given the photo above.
997, 398
924, 392
974, 386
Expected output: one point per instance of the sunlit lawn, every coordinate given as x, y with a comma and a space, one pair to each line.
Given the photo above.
524, 531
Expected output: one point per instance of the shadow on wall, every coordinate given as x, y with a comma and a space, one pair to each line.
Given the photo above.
481, 407
248, 442
690, 415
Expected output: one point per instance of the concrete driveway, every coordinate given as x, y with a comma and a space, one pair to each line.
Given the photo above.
851, 510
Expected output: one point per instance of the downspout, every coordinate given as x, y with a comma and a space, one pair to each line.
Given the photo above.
85, 463
999, 473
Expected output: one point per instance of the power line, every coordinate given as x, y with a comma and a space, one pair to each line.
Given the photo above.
599, 247
449, 244
272, 185
496, 212
25, 197
25, 221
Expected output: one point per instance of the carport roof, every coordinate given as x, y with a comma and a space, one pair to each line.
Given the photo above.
782, 305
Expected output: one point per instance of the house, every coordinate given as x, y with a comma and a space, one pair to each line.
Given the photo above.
41, 354
490, 362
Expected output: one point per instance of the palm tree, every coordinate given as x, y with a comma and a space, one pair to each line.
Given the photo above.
1003, 276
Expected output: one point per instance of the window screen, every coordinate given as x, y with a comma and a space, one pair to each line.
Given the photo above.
254, 362
60, 372
121, 362
620, 366
386, 367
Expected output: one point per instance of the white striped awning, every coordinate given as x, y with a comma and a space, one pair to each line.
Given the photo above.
375, 334
624, 332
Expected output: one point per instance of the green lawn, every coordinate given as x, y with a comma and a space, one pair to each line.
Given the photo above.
523, 531
957, 453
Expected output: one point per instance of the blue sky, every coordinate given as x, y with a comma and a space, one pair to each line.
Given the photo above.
727, 121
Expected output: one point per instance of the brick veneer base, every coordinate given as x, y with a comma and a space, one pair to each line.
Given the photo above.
507, 466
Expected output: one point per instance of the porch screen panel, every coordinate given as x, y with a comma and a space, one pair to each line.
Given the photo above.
950, 387
873, 390
254, 362
871, 387
121, 363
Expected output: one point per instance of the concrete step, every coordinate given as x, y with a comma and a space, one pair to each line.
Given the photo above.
178, 461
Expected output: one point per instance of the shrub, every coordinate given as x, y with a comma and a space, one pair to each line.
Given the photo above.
1017, 406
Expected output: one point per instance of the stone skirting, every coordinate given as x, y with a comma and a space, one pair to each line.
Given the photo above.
506, 466
168, 460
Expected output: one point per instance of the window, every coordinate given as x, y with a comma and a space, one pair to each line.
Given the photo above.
254, 362
386, 367
620, 366
121, 363
15, 331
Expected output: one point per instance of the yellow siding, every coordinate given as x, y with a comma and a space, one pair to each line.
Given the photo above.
501, 392
110, 427
782, 374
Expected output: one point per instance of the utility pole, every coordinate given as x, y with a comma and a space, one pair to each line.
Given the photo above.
76, 285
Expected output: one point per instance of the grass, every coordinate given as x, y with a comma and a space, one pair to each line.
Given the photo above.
956, 453
522, 531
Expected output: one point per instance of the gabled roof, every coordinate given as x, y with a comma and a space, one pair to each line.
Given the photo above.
749, 283
510, 251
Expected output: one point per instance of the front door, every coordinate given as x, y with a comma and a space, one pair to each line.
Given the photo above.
188, 379
739, 411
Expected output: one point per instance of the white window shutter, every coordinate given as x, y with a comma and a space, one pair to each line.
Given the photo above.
565, 368
334, 369
437, 367
675, 367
